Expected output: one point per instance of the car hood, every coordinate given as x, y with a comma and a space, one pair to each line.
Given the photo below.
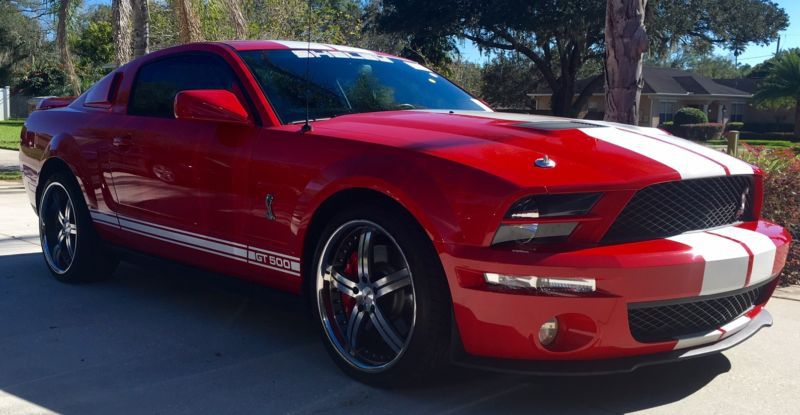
584, 153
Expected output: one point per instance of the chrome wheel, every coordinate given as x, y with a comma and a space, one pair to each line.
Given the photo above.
365, 296
58, 228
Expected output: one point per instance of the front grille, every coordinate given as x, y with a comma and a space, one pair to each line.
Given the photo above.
651, 323
672, 208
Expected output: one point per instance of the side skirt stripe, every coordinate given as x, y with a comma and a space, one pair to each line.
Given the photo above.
254, 256
192, 234
187, 245
177, 237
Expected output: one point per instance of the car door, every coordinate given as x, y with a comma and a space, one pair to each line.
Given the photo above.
181, 181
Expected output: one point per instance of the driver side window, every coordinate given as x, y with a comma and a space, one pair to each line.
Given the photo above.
158, 82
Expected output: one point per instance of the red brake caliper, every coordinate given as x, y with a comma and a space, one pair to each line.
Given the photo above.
349, 270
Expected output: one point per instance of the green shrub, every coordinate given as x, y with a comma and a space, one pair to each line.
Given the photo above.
734, 126
45, 80
689, 115
696, 132
781, 198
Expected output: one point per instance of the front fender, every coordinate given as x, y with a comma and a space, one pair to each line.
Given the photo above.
452, 202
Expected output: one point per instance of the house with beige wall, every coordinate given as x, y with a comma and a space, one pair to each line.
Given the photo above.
667, 90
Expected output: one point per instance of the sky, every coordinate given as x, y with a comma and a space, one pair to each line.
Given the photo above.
790, 38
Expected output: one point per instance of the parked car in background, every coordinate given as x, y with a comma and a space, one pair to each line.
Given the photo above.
425, 227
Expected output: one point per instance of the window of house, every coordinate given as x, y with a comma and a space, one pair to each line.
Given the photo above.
666, 111
737, 112
158, 82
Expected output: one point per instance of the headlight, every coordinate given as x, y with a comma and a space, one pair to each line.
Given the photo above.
547, 206
544, 206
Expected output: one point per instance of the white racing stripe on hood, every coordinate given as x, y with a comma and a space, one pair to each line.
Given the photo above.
734, 165
688, 164
675, 153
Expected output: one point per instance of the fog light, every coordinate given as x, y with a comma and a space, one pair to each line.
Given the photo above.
563, 285
548, 332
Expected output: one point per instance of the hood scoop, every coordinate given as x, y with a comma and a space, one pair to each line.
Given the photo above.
556, 125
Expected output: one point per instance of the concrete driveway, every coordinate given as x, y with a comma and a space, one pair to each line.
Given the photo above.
168, 340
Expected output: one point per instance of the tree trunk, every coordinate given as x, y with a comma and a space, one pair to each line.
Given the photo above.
141, 27
121, 28
188, 24
561, 100
63, 47
797, 118
237, 18
626, 41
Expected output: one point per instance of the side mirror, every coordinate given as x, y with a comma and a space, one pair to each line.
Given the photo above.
216, 105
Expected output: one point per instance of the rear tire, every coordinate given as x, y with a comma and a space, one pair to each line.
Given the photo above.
381, 296
72, 249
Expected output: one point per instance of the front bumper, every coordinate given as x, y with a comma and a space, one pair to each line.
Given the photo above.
608, 366
496, 326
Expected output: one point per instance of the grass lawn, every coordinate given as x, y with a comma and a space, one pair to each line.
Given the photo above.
765, 143
10, 175
9, 134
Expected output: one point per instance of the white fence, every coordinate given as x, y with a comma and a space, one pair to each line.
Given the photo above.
5, 103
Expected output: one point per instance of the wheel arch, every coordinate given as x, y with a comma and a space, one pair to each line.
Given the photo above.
341, 200
51, 166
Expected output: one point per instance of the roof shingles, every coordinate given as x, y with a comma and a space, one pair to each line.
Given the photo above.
671, 81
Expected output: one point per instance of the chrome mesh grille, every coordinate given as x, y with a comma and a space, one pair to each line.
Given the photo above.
660, 323
672, 208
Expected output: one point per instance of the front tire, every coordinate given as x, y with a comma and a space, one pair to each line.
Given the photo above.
72, 250
381, 296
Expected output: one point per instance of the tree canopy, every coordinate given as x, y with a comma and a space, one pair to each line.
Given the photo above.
561, 36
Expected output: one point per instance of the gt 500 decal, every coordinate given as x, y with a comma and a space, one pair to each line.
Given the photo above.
274, 261
231, 250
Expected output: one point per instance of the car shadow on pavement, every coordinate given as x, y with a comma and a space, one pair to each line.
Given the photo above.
170, 339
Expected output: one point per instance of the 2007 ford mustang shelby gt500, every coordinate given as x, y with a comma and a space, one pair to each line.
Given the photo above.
423, 226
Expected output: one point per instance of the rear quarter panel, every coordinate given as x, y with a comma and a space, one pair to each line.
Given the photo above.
66, 134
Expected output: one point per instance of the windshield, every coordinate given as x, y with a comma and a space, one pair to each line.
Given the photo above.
349, 83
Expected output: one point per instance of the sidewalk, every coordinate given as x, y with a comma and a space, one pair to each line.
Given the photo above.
9, 160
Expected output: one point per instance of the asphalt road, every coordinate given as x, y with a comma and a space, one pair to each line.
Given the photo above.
170, 340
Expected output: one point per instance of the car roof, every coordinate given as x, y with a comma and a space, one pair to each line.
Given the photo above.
243, 45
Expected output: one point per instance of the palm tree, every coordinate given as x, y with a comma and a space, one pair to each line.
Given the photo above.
188, 23
783, 82
626, 41
141, 27
237, 18
64, 7
121, 10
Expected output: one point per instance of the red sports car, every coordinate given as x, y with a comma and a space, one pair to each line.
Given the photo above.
424, 227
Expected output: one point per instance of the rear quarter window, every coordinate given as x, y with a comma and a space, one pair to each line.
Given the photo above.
102, 94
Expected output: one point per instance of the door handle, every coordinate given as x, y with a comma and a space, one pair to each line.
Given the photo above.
121, 142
